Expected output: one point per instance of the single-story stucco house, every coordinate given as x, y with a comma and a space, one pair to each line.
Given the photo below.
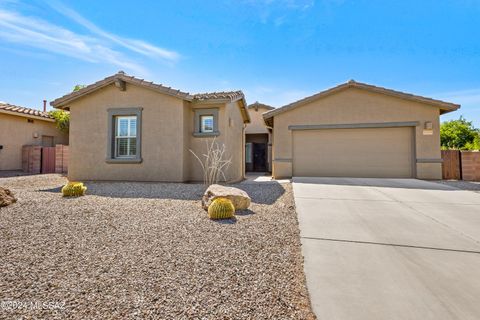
125, 128
358, 130
21, 126
258, 147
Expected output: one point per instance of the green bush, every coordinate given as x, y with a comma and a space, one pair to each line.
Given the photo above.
459, 134
74, 189
62, 120
221, 208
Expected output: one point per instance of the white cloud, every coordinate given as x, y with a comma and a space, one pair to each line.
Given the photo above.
97, 47
137, 46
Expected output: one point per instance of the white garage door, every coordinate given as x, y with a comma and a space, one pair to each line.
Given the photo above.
368, 152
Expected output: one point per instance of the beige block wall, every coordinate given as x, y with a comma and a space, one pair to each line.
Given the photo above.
359, 106
16, 131
162, 136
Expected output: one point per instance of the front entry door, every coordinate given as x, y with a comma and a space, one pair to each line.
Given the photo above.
259, 157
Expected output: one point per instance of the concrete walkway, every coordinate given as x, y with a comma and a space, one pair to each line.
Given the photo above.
389, 248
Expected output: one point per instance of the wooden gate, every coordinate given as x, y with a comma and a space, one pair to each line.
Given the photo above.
48, 160
451, 165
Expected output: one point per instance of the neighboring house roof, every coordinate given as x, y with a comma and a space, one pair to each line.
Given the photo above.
8, 108
256, 105
444, 106
230, 96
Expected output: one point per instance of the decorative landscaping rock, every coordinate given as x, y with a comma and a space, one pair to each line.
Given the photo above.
239, 198
6, 197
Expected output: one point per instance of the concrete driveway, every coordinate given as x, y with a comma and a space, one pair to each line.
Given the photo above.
389, 248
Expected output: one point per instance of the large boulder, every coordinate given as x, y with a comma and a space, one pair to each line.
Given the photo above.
239, 198
6, 197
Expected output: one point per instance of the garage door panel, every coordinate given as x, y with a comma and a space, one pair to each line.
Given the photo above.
369, 152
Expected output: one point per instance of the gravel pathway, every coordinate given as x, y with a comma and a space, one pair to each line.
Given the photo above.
148, 251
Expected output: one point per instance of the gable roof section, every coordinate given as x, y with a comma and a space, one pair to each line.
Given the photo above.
256, 105
11, 109
61, 102
223, 97
444, 106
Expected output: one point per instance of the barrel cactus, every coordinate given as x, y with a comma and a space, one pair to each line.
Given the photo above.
74, 189
221, 208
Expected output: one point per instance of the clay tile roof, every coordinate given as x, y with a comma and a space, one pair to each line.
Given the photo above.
226, 96
21, 111
62, 101
223, 95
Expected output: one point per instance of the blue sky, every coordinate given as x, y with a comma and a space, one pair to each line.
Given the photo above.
276, 51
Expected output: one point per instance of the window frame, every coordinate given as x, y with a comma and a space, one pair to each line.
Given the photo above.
113, 114
202, 124
129, 136
198, 114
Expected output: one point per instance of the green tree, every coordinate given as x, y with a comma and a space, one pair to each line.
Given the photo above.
78, 87
62, 120
459, 134
475, 145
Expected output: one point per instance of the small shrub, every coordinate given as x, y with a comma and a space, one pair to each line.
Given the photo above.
6, 197
74, 189
221, 208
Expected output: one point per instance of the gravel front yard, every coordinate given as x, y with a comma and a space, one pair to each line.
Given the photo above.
148, 250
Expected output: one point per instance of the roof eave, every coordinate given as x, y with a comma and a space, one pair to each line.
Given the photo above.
210, 101
25, 115
444, 110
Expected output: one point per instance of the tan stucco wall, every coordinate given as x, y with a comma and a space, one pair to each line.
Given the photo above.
230, 126
167, 136
199, 144
235, 131
162, 136
354, 105
257, 125
16, 131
